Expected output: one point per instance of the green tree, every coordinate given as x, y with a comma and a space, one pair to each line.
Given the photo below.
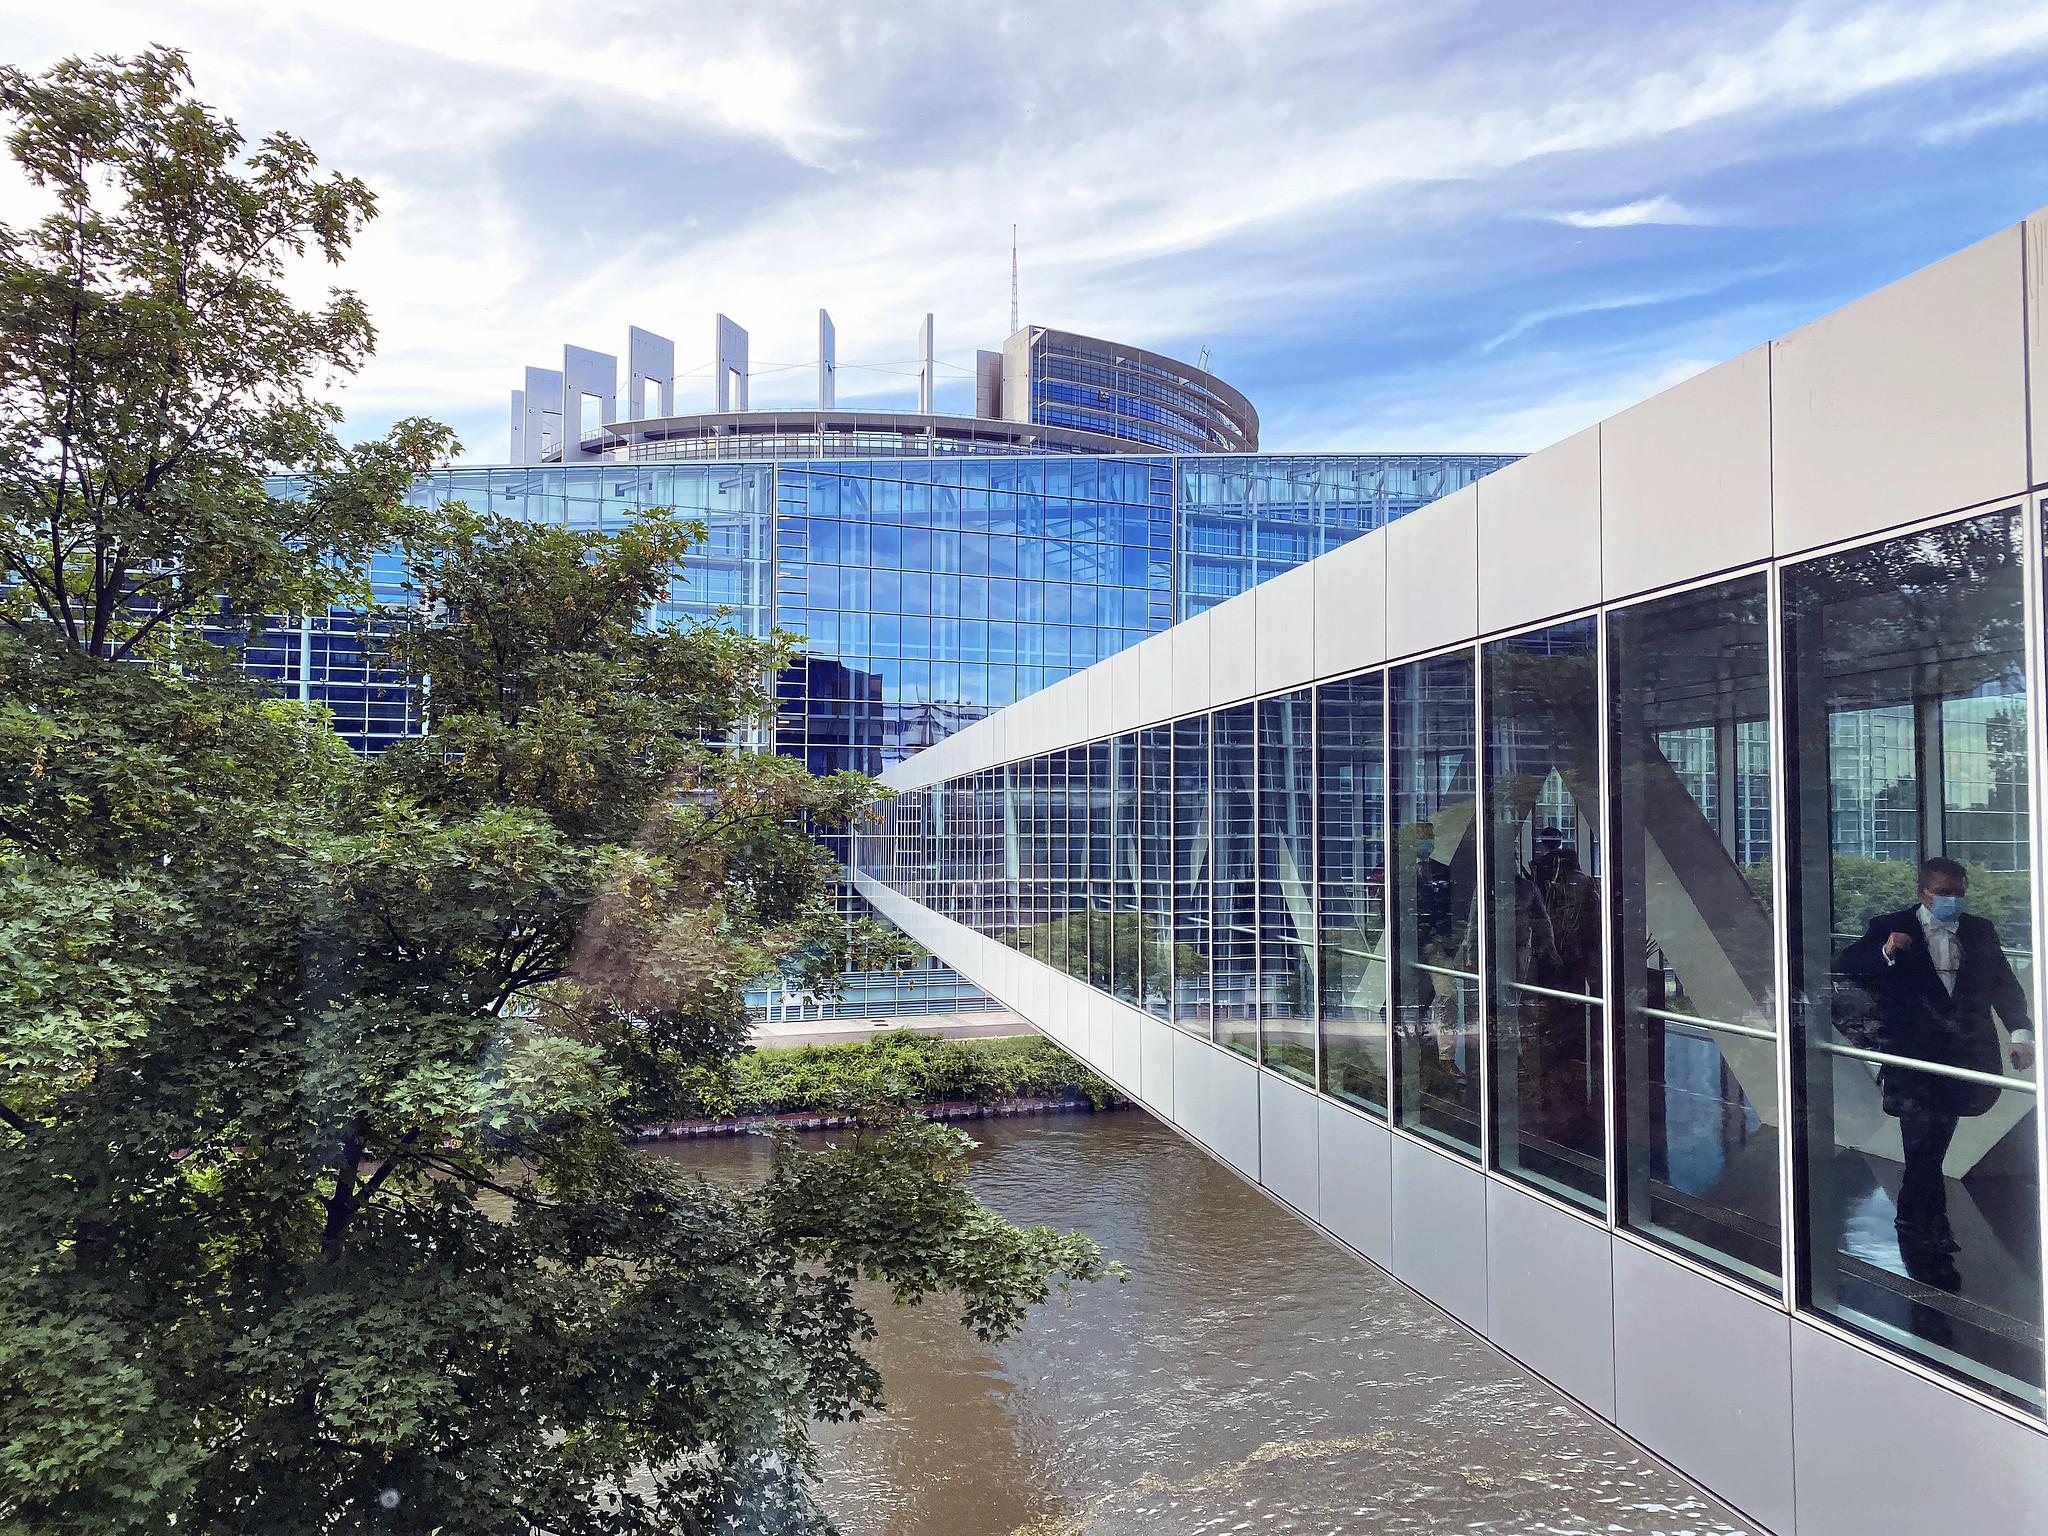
314, 1209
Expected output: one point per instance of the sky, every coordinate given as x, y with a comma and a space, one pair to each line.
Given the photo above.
1429, 225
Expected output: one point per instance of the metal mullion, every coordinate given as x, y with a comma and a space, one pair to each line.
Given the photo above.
1482, 947
1790, 1125
1315, 884
1610, 968
2032, 601
1388, 937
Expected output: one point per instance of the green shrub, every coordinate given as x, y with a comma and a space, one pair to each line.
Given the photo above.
897, 1068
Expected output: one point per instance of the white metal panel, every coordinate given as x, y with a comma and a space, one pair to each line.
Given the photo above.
1550, 1293
1155, 679
1440, 1230
1877, 1449
1101, 700
2037, 342
1703, 1377
1539, 534
1433, 575
1190, 649
1351, 606
1233, 649
1907, 403
1155, 1066
1354, 1188
1285, 608
1287, 1143
1125, 1046
1123, 690
1216, 1101
1685, 479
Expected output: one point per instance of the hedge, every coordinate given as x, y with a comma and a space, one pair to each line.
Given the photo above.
896, 1068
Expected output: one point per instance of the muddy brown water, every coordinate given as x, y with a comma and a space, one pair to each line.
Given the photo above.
1250, 1376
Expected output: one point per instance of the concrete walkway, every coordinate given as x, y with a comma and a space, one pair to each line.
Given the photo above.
986, 1025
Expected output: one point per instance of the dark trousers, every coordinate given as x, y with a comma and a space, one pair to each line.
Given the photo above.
1923, 1197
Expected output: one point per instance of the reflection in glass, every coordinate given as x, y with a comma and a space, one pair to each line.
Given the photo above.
1155, 870
1351, 847
1287, 924
1916, 1108
1689, 708
1121, 933
1096, 823
1236, 901
1543, 909
1191, 1010
1433, 783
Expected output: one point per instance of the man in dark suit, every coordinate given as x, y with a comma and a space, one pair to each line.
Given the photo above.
1931, 976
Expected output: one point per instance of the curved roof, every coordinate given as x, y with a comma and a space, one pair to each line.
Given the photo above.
974, 434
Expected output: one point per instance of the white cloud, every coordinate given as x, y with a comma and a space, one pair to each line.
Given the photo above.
554, 176
1649, 210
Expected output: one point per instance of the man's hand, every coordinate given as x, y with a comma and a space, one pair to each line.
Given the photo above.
1897, 944
2022, 1056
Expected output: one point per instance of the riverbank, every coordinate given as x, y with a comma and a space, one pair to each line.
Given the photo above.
1004, 1109
821, 1087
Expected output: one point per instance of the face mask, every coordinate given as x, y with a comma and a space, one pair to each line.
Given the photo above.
1424, 847
1947, 909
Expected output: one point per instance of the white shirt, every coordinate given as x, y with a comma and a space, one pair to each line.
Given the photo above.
1944, 948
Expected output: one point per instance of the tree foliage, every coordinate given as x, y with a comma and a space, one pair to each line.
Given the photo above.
153, 367
315, 1213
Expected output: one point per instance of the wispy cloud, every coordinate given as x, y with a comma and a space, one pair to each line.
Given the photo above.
1325, 194
1648, 210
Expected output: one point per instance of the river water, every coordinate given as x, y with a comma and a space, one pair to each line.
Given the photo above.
1250, 1376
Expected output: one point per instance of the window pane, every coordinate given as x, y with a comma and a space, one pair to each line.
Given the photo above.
1191, 1009
1434, 885
1351, 823
1236, 913
1544, 910
1155, 867
1093, 872
1918, 1182
1123, 927
1689, 707
1287, 926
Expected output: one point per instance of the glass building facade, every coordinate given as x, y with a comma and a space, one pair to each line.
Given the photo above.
1623, 908
930, 590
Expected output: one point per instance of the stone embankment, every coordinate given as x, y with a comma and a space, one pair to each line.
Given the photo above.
812, 1120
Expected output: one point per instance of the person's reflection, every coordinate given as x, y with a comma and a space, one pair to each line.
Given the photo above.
1438, 946
1930, 977
1572, 898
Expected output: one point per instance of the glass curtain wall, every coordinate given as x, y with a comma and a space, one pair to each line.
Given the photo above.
1434, 787
1351, 863
1814, 790
1696, 1053
1234, 900
1287, 922
1191, 898
1910, 932
1546, 978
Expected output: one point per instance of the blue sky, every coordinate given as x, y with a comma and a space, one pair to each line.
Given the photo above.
1400, 226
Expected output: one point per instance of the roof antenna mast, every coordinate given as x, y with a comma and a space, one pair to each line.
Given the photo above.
1013, 279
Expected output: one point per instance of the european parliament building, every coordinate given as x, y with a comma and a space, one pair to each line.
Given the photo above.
940, 567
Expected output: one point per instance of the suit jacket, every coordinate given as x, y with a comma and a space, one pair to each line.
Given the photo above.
1904, 1010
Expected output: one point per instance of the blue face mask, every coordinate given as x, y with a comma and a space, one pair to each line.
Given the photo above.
1424, 847
1946, 909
